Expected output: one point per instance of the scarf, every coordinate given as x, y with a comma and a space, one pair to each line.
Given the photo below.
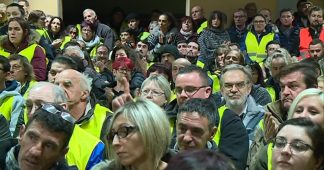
90, 44
186, 35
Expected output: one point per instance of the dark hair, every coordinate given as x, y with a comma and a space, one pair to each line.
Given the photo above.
272, 42
71, 43
188, 18
4, 61
192, 68
68, 61
313, 130
118, 47
313, 64
316, 41
86, 24
286, 10
255, 66
61, 32
24, 25
314, 8
69, 27
21, 9
35, 15
220, 16
104, 45
200, 160
28, 68
171, 20
160, 68
308, 71
260, 15
204, 107
53, 122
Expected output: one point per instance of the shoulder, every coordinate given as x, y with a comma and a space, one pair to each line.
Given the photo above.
104, 165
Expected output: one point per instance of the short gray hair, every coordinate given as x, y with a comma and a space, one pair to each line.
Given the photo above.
246, 70
279, 53
85, 82
162, 82
58, 92
72, 51
89, 10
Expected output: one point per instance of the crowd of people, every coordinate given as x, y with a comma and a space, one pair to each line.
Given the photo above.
178, 93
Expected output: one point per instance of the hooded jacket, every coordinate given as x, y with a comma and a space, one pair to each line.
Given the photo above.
11, 106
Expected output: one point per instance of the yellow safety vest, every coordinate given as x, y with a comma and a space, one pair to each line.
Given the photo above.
216, 86
256, 51
269, 153
202, 27
218, 134
65, 40
94, 125
272, 93
81, 146
6, 107
27, 52
200, 64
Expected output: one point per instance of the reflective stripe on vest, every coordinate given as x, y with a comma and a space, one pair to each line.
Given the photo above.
256, 51
202, 27
6, 107
272, 93
304, 40
269, 153
81, 146
94, 124
217, 136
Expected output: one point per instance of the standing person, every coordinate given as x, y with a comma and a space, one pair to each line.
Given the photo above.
315, 30
301, 14
197, 14
238, 29
103, 31
25, 5
90, 39
12, 10
288, 34
213, 36
20, 40
138, 137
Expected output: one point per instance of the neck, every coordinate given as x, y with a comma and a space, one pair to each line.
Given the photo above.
238, 109
240, 27
77, 110
2, 85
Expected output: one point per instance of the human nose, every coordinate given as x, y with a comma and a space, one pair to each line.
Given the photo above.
286, 149
285, 90
187, 137
115, 140
36, 150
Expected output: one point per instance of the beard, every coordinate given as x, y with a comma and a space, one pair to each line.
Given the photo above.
235, 103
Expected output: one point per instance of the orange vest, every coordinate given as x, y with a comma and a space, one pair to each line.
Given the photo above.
304, 40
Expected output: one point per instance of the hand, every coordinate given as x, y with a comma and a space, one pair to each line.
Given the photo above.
57, 43
161, 41
170, 39
100, 65
124, 98
271, 125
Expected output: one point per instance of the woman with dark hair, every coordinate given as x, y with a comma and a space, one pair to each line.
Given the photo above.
303, 149
214, 35
20, 40
186, 32
89, 37
166, 34
257, 74
72, 31
55, 34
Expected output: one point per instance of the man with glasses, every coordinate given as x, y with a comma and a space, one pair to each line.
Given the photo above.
231, 138
11, 102
82, 153
43, 142
236, 84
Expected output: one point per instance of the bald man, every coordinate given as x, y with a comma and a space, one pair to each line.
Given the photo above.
77, 88
197, 14
177, 65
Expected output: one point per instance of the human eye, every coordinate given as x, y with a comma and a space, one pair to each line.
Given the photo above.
299, 110
280, 143
52, 72
197, 132
32, 136
178, 90
49, 146
122, 132
299, 146
190, 89
182, 129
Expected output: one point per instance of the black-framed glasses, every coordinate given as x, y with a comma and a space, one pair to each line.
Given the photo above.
122, 132
52, 109
296, 146
189, 90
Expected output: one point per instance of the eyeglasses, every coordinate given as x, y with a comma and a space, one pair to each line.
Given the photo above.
296, 146
122, 132
229, 86
182, 46
121, 70
16, 67
74, 33
155, 93
52, 109
189, 90
259, 22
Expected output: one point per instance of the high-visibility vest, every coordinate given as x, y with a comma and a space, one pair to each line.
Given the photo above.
269, 153
81, 146
27, 52
218, 134
94, 124
272, 93
6, 107
256, 51
304, 40
202, 27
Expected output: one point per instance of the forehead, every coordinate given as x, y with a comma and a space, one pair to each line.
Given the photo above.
234, 75
286, 13
151, 84
68, 76
88, 13
163, 17
259, 18
186, 79
292, 77
196, 9
193, 44
299, 133
121, 120
57, 65
17, 62
43, 93
317, 13
316, 46
12, 9
193, 119
56, 20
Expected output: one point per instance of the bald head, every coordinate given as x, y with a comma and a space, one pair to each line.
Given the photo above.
177, 65
197, 12
89, 16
